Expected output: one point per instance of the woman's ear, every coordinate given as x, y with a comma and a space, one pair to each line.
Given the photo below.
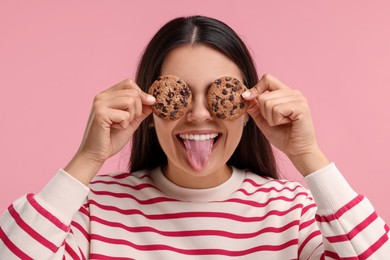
151, 124
246, 118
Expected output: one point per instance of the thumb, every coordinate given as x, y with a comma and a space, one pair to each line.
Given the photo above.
146, 98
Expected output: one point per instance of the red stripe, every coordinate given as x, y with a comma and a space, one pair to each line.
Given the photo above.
190, 233
82, 255
267, 190
255, 184
133, 187
84, 211
105, 257
314, 251
53, 219
333, 255
310, 237
129, 196
264, 204
116, 176
306, 224
71, 252
12, 247
165, 199
307, 208
211, 251
81, 229
29, 230
341, 211
374, 247
124, 175
369, 252
356, 230
196, 214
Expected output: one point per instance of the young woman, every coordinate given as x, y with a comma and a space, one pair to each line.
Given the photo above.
199, 187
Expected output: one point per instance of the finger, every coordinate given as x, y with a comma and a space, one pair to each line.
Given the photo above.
266, 83
269, 100
130, 84
125, 84
122, 99
288, 112
119, 119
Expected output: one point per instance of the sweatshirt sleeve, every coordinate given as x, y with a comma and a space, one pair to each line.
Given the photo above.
350, 227
48, 225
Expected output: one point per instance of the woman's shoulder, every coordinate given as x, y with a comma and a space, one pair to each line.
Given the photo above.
121, 179
255, 183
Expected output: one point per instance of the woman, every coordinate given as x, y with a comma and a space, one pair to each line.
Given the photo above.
199, 187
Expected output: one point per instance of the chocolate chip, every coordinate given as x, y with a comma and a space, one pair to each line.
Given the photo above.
224, 91
220, 116
214, 107
172, 114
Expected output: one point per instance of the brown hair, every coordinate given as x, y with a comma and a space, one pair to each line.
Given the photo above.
254, 152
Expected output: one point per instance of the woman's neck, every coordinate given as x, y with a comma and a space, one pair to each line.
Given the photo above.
196, 180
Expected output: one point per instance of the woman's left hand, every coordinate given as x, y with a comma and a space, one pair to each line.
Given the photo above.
283, 115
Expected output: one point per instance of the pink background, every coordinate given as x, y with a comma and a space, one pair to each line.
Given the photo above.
54, 58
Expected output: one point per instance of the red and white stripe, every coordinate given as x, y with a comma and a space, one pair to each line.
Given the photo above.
129, 216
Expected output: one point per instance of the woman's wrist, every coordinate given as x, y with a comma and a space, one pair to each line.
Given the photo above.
310, 162
83, 168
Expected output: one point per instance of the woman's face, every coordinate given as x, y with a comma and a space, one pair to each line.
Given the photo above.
198, 163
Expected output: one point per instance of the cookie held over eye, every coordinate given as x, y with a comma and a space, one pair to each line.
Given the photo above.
173, 97
224, 98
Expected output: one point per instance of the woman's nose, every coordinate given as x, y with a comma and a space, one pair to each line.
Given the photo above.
199, 110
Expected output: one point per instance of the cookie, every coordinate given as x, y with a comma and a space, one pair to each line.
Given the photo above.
173, 97
224, 98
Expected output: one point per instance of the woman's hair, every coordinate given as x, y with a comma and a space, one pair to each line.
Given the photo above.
254, 152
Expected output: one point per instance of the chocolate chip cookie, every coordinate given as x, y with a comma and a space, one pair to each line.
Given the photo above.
224, 98
173, 97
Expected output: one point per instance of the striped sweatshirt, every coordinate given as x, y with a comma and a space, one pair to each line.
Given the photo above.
145, 216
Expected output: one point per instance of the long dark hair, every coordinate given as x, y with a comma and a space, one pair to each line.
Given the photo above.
254, 152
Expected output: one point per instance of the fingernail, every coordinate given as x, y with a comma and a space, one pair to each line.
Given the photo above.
246, 94
150, 98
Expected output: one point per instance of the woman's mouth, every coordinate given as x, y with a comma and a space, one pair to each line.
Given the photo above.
198, 137
198, 148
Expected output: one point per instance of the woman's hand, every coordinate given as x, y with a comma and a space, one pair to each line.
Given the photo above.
283, 115
116, 113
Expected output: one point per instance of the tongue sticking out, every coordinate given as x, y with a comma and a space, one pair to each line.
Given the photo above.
198, 152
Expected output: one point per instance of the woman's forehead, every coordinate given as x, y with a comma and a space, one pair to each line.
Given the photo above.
199, 65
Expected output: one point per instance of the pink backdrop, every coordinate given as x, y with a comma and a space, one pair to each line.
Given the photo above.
54, 58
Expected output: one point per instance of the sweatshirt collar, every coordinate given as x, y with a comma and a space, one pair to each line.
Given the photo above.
218, 193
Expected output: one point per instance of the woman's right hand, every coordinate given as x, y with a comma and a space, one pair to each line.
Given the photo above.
116, 113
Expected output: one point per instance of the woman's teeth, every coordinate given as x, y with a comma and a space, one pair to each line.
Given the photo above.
198, 137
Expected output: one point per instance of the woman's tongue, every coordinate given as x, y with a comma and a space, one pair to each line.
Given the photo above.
198, 152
